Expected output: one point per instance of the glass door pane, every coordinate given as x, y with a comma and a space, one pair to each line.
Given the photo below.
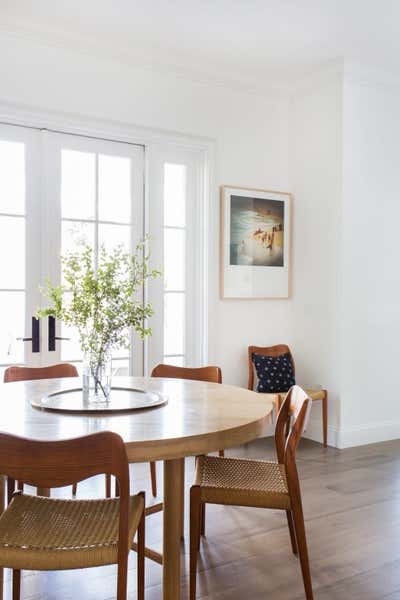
176, 217
98, 191
19, 223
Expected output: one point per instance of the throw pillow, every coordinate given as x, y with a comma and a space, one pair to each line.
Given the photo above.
275, 373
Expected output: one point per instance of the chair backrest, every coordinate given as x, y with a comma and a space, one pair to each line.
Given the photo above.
273, 351
291, 423
28, 373
54, 464
210, 373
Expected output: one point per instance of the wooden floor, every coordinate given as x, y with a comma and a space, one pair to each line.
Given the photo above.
352, 508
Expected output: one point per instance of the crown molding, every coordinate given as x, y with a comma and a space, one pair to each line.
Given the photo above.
145, 59
325, 74
371, 76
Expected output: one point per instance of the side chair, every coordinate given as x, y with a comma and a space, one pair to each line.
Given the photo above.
45, 534
209, 374
257, 483
17, 373
315, 395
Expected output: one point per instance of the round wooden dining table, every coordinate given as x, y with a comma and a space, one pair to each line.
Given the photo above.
198, 418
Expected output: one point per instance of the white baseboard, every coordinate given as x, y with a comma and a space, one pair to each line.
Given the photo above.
369, 433
314, 432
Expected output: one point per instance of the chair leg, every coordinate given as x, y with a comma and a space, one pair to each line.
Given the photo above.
194, 536
278, 402
298, 518
122, 581
74, 489
16, 584
325, 418
292, 532
10, 489
202, 519
153, 475
140, 551
221, 453
108, 486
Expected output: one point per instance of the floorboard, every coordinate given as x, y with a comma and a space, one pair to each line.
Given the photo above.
352, 508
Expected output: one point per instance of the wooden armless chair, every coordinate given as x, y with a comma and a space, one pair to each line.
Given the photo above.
278, 350
44, 534
257, 483
17, 373
29, 373
210, 373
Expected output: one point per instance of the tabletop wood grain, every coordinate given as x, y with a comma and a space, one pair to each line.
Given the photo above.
198, 418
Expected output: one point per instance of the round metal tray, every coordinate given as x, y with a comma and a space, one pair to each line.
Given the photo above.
121, 400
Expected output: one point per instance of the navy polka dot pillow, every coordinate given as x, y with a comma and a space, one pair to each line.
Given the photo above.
275, 373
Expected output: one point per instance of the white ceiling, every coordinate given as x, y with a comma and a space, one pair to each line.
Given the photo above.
270, 41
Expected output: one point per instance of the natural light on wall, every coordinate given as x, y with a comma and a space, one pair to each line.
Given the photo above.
174, 263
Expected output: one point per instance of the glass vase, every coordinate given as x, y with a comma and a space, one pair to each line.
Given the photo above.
96, 377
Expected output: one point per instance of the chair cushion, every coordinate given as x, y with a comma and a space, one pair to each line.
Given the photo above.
242, 482
45, 534
275, 373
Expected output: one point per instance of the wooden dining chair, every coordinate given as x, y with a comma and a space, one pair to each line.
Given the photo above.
17, 373
257, 483
45, 534
209, 374
315, 395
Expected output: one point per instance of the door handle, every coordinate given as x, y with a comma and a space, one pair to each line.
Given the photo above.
52, 337
35, 339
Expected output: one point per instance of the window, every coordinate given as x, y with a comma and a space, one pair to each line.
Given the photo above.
176, 224
97, 208
57, 190
12, 249
175, 235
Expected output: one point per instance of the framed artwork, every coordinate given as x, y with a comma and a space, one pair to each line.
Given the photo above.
255, 243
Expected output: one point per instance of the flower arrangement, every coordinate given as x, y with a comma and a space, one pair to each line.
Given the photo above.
103, 300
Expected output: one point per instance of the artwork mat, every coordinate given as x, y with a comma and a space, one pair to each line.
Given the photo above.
253, 282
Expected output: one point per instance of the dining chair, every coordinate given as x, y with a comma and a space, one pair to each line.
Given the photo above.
280, 350
17, 373
257, 483
46, 534
209, 374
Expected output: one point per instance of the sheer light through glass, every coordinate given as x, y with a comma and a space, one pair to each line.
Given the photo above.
174, 195
12, 177
78, 184
114, 189
174, 259
12, 252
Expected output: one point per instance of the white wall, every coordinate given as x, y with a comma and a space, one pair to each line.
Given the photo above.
251, 134
316, 178
336, 146
371, 274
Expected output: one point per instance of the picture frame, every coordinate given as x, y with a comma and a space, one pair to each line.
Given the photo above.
255, 243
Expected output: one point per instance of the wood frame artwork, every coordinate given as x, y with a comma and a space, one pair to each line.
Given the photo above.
255, 243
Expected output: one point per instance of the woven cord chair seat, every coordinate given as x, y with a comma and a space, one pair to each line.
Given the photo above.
311, 393
45, 533
242, 482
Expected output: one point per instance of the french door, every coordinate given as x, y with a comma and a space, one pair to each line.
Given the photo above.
56, 191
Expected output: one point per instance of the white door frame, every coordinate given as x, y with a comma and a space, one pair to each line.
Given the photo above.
151, 139
54, 143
